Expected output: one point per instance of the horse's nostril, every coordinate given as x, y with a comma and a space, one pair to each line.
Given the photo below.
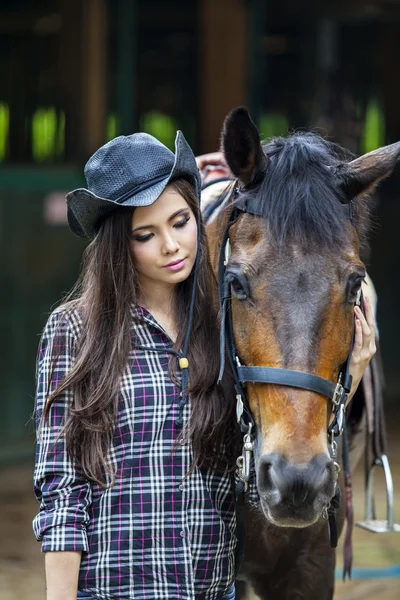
292, 483
264, 474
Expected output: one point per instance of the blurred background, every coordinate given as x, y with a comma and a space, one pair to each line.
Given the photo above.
76, 73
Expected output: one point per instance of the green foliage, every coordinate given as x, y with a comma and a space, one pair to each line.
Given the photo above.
374, 128
272, 124
4, 129
112, 127
162, 126
48, 134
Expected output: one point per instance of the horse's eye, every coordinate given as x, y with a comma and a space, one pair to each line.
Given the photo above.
239, 285
354, 287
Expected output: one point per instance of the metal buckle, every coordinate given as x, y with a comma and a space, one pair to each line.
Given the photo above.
333, 445
239, 407
340, 418
243, 462
338, 393
370, 522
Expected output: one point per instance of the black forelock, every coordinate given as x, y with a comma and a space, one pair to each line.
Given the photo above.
298, 193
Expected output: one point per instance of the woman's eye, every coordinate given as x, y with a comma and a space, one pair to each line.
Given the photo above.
143, 238
182, 223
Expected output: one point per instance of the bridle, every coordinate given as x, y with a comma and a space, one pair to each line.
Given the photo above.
334, 392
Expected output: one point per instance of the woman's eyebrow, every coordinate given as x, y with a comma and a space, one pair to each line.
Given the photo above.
175, 214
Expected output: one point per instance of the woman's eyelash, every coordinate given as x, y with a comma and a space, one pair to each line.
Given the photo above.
182, 223
143, 238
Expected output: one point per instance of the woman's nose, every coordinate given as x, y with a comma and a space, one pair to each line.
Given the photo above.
170, 245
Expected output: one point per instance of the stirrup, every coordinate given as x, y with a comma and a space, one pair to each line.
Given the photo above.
370, 522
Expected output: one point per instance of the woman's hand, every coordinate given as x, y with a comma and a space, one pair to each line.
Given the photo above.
212, 166
212, 158
364, 343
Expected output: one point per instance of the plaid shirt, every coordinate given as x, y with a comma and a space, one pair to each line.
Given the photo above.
155, 533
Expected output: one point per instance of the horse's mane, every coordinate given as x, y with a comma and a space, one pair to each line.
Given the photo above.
299, 194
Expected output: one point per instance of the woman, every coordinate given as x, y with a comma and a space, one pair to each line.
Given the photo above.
136, 439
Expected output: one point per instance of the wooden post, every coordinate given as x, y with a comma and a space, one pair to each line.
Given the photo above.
126, 67
223, 51
94, 67
388, 55
69, 76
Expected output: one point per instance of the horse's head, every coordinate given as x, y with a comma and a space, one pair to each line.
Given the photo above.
295, 273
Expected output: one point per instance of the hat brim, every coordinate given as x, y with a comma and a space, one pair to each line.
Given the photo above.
86, 211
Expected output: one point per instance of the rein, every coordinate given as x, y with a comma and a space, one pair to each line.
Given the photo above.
334, 392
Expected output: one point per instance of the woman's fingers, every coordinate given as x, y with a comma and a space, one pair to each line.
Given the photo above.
212, 158
212, 166
364, 343
366, 329
364, 336
358, 335
369, 313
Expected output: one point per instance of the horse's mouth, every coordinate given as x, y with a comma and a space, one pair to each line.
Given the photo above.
293, 495
284, 515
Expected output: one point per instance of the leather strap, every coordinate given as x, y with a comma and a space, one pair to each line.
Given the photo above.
297, 379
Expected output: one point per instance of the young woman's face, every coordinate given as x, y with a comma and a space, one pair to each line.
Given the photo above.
164, 240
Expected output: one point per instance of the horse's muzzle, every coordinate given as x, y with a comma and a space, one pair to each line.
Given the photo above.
295, 495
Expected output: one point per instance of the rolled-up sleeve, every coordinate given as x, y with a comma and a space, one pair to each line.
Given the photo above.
63, 493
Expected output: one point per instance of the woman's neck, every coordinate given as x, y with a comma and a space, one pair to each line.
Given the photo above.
161, 306
158, 299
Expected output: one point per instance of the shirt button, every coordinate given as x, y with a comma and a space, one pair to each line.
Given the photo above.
182, 534
180, 487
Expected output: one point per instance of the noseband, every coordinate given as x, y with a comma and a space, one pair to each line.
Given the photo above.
334, 392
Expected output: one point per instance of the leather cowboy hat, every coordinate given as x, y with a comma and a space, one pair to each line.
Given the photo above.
129, 170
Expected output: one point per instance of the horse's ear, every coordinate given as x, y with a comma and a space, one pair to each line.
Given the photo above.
360, 176
240, 143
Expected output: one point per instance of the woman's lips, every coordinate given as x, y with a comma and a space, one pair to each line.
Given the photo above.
176, 265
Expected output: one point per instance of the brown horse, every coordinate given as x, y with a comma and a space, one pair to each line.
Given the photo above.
294, 273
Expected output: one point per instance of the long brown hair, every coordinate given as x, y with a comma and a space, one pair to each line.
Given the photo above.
104, 296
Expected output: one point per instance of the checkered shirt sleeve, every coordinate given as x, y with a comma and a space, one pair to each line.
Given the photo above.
63, 494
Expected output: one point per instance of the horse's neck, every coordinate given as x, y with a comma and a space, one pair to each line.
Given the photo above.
217, 221
211, 196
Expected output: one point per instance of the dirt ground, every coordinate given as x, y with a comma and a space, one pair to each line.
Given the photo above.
21, 562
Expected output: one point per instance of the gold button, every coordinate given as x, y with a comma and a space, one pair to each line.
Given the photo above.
183, 363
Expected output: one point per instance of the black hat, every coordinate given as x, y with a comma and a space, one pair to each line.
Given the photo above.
129, 170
